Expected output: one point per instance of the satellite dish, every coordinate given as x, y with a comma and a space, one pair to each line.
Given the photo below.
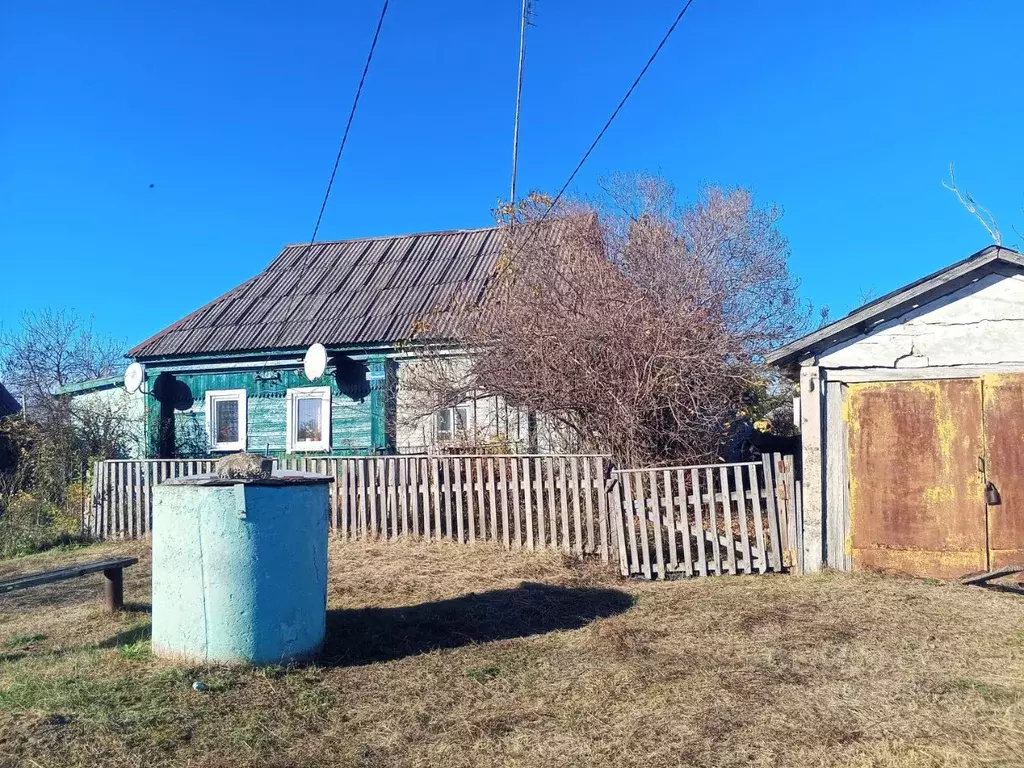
133, 376
315, 361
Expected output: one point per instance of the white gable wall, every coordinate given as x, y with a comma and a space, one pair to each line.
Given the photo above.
981, 325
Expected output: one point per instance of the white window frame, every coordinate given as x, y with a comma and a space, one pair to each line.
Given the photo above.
214, 396
292, 396
455, 432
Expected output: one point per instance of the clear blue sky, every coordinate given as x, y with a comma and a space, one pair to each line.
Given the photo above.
845, 113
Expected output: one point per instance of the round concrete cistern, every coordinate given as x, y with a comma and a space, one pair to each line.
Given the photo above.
240, 568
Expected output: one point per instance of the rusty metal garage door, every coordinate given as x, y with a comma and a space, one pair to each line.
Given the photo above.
917, 495
1004, 467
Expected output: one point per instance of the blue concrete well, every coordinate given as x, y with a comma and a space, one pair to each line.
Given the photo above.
240, 568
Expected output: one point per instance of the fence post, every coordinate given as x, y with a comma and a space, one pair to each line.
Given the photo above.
612, 489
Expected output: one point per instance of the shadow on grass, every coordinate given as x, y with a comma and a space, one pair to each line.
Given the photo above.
133, 635
364, 636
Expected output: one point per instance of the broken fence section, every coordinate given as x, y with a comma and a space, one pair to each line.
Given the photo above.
709, 519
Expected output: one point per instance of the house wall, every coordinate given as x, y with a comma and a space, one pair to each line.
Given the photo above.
492, 424
970, 332
360, 421
129, 405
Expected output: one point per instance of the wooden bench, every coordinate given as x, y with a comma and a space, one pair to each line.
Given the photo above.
113, 582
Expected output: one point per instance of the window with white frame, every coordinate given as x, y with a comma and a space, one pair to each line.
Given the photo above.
309, 419
451, 423
225, 419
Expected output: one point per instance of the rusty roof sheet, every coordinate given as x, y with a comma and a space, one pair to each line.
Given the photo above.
344, 293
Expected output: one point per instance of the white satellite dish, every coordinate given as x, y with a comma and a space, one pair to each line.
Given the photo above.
133, 376
315, 361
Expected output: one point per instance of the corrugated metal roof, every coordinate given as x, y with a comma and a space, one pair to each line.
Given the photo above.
349, 292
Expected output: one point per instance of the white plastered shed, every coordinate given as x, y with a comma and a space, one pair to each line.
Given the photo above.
912, 425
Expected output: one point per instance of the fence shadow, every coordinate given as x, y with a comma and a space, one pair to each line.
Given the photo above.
368, 635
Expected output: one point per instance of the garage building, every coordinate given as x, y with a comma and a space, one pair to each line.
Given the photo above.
912, 419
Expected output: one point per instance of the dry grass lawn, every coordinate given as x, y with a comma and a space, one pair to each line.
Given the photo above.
451, 656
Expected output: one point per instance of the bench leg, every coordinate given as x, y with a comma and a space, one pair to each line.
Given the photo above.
113, 588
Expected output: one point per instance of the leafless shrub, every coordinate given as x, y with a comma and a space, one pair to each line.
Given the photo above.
973, 207
634, 322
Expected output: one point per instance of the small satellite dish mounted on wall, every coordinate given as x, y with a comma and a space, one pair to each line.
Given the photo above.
133, 377
315, 362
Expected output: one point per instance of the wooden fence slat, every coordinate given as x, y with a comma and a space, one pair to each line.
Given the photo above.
335, 490
353, 492
414, 495
469, 491
755, 503
716, 551
361, 496
577, 518
529, 505
428, 486
563, 482
730, 550
773, 514
659, 557
741, 500
615, 506
604, 514
552, 499
670, 520
639, 512
492, 499
457, 481
393, 488
402, 465
503, 479
698, 514
588, 504
119, 504
630, 527
513, 477
538, 489
684, 522
478, 483
437, 498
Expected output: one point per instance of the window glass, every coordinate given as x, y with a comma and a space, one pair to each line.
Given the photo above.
308, 412
460, 419
444, 422
227, 421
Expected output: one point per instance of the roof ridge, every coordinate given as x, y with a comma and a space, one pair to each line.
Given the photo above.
394, 237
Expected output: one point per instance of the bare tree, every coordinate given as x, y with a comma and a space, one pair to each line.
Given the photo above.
51, 349
635, 322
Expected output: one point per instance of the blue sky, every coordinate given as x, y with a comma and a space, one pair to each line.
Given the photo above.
844, 113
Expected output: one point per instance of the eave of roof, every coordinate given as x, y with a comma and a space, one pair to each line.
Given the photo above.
106, 382
896, 303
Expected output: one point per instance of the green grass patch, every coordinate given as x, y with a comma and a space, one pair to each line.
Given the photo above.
23, 639
483, 674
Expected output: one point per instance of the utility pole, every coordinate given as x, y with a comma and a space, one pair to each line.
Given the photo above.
519, 98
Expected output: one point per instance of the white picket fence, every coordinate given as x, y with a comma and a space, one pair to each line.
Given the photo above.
655, 523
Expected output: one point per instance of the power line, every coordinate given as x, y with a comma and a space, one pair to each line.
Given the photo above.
519, 98
348, 125
334, 171
607, 125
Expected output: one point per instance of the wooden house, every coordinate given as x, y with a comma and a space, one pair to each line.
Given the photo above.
229, 376
912, 415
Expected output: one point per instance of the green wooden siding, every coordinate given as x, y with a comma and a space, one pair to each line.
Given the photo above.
361, 410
